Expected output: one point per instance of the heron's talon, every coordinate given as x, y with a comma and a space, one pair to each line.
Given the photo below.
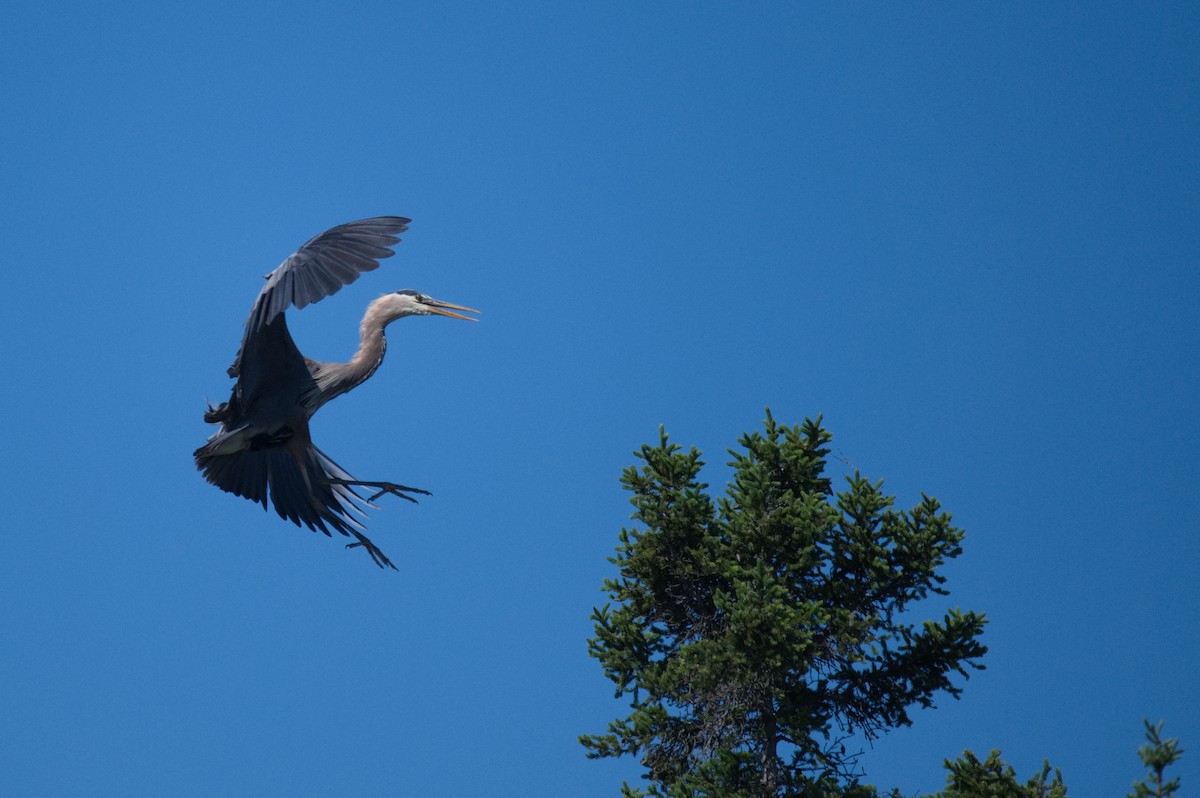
383, 487
378, 556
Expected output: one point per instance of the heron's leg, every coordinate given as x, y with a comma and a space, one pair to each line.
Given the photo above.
383, 487
378, 556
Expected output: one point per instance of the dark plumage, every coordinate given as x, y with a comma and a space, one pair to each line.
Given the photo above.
263, 447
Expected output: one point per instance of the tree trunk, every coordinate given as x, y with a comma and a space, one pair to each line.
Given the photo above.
770, 763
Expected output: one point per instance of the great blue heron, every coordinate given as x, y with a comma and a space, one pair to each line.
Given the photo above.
263, 444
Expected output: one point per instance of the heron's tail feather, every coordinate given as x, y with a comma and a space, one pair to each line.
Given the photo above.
311, 494
243, 473
308, 490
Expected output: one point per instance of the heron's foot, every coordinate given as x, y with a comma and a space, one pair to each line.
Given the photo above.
383, 487
378, 556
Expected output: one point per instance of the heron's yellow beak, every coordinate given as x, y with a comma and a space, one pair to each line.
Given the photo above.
447, 309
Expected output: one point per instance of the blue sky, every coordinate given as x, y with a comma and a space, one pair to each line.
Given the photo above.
967, 234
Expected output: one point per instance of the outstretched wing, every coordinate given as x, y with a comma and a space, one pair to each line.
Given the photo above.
319, 268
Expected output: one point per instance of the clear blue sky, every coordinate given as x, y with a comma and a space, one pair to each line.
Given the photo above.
965, 233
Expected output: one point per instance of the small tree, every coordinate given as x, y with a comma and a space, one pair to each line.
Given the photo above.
995, 778
753, 635
1156, 755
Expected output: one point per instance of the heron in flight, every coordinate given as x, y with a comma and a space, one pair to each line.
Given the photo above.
263, 445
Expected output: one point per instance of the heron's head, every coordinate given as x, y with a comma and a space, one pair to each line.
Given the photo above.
399, 304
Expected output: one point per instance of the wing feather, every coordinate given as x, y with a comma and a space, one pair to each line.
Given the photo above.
320, 268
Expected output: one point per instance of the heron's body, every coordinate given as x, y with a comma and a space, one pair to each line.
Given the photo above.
263, 446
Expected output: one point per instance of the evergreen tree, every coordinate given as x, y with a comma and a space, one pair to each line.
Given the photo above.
1156, 755
995, 778
755, 633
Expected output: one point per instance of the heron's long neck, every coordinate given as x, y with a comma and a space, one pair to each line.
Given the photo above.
335, 379
371, 344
